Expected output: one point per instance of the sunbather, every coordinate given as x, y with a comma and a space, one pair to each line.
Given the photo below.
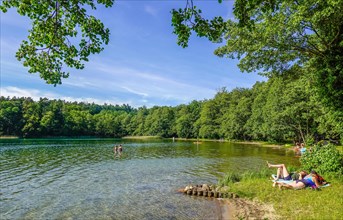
312, 180
282, 173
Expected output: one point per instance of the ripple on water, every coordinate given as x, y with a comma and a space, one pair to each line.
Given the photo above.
84, 180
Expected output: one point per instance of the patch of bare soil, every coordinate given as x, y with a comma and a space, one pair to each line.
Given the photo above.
239, 208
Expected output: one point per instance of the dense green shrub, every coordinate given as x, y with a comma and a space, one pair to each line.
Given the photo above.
323, 159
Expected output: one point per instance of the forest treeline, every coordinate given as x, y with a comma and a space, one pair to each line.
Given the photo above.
279, 110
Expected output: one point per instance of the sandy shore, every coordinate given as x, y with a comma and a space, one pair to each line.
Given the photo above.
245, 209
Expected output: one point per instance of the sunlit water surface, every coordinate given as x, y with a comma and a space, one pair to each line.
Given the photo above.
83, 179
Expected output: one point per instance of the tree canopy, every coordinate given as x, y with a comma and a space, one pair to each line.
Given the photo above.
277, 38
277, 110
62, 35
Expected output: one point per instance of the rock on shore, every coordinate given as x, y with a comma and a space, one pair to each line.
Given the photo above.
232, 207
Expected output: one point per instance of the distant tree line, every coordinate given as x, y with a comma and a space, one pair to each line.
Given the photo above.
277, 110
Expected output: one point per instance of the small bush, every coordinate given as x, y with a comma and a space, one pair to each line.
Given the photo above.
323, 159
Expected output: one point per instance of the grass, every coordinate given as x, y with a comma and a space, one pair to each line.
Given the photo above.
326, 203
8, 137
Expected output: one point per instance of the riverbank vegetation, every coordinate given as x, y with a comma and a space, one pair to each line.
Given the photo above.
242, 114
142, 137
278, 110
325, 203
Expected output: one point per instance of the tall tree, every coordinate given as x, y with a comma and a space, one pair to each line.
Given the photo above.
10, 116
256, 119
160, 121
208, 121
32, 115
184, 123
234, 121
274, 37
78, 123
139, 121
52, 120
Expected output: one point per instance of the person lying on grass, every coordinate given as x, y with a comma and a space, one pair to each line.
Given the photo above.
282, 173
312, 180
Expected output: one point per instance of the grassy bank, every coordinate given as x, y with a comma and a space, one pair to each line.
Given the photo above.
141, 137
326, 203
8, 137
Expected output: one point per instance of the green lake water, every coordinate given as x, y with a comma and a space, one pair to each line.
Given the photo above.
83, 179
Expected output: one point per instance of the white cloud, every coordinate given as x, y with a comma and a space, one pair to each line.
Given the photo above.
35, 94
148, 84
19, 92
79, 82
134, 91
151, 10
116, 84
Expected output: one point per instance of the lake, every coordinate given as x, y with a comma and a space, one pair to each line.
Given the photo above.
83, 179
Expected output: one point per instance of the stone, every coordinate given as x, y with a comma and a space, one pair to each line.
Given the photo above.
205, 187
188, 187
234, 195
189, 192
210, 193
195, 192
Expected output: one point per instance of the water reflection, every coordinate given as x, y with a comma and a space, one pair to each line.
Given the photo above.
58, 179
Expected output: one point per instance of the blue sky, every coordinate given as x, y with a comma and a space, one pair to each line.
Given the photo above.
141, 65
